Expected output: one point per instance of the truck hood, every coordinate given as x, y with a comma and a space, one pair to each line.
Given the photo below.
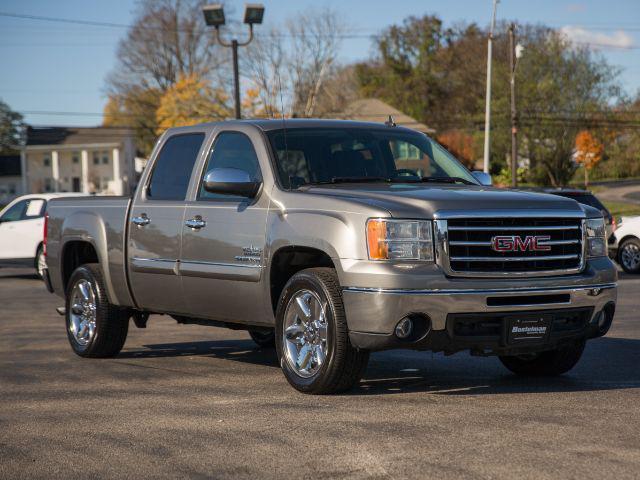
411, 200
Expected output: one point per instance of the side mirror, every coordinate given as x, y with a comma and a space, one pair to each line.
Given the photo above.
231, 181
483, 178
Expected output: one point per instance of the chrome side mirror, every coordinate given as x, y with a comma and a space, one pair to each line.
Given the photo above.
231, 181
483, 178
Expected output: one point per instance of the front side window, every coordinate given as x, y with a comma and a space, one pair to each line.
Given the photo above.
231, 150
15, 212
172, 170
330, 155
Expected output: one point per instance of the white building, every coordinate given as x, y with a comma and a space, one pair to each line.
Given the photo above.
67, 159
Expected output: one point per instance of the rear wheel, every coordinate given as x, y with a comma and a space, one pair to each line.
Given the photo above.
264, 338
312, 338
95, 327
629, 255
550, 363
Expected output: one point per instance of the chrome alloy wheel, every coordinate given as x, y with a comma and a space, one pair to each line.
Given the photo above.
41, 264
82, 317
630, 256
305, 333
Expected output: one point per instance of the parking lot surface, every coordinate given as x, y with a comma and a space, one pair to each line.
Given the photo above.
203, 402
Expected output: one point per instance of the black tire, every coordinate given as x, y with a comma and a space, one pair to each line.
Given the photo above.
633, 246
264, 338
343, 365
111, 322
37, 262
547, 364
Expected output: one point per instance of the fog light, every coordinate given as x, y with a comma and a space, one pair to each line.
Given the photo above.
404, 328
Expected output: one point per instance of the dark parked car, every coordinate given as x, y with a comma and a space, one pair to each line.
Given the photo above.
586, 197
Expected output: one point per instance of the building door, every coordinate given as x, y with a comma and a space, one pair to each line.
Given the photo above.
75, 184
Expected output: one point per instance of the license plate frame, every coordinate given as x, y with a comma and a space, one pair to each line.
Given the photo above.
528, 329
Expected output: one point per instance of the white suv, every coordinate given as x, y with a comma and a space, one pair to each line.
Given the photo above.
21, 230
627, 243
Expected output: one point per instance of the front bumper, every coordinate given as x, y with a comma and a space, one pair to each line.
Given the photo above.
372, 314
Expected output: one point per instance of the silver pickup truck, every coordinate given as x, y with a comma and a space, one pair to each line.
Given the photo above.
330, 240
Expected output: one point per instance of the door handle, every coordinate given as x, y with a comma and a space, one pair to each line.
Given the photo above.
196, 223
142, 220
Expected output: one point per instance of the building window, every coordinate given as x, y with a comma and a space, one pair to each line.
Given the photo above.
96, 158
105, 158
48, 186
46, 161
75, 157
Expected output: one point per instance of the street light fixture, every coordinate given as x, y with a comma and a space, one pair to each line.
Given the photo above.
214, 17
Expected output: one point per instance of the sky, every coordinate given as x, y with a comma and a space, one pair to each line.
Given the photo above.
51, 69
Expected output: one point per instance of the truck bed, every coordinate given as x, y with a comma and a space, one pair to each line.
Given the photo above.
101, 221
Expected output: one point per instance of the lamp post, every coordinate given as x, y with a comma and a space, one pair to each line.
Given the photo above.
515, 53
214, 17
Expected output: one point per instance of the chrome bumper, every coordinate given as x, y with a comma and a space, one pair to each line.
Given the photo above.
377, 311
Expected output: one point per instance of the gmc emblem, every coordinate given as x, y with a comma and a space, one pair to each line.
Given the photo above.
515, 243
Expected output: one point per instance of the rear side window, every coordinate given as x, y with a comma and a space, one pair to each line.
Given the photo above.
172, 170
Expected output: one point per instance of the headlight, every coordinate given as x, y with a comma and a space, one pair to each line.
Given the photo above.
389, 239
596, 242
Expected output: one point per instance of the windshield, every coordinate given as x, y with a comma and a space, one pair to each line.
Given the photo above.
330, 155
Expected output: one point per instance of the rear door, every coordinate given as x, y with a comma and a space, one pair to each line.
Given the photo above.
157, 216
223, 261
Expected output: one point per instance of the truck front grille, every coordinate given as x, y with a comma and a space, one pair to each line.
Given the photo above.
471, 246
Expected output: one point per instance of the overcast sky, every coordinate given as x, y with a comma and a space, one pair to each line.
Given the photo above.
56, 67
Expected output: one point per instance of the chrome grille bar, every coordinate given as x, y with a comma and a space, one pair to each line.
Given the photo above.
514, 259
515, 229
488, 244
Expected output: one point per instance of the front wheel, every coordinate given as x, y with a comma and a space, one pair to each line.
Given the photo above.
95, 327
629, 255
312, 338
40, 262
550, 363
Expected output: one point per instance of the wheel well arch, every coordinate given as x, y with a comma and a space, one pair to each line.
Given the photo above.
287, 261
74, 254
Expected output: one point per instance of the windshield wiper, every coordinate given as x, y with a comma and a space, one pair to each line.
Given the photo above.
359, 180
445, 180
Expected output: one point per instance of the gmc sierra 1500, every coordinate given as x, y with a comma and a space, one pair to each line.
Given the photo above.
332, 239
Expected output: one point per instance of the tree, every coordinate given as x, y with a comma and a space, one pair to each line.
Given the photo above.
295, 72
460, 144
136, 108
11, 126
167, 41
588, 152
437, 75
189, 102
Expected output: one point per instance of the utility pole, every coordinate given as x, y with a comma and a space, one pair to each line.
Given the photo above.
514, 114
236, 75
487, 114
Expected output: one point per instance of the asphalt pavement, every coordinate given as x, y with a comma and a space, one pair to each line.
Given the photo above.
202, 402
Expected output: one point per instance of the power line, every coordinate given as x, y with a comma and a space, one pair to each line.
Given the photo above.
265, 35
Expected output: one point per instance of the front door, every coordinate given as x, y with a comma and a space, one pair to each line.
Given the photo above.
21, 229
222, 260
156, 220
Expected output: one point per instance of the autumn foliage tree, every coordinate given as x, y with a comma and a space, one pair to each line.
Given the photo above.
588, 152
460, 144
191, 100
